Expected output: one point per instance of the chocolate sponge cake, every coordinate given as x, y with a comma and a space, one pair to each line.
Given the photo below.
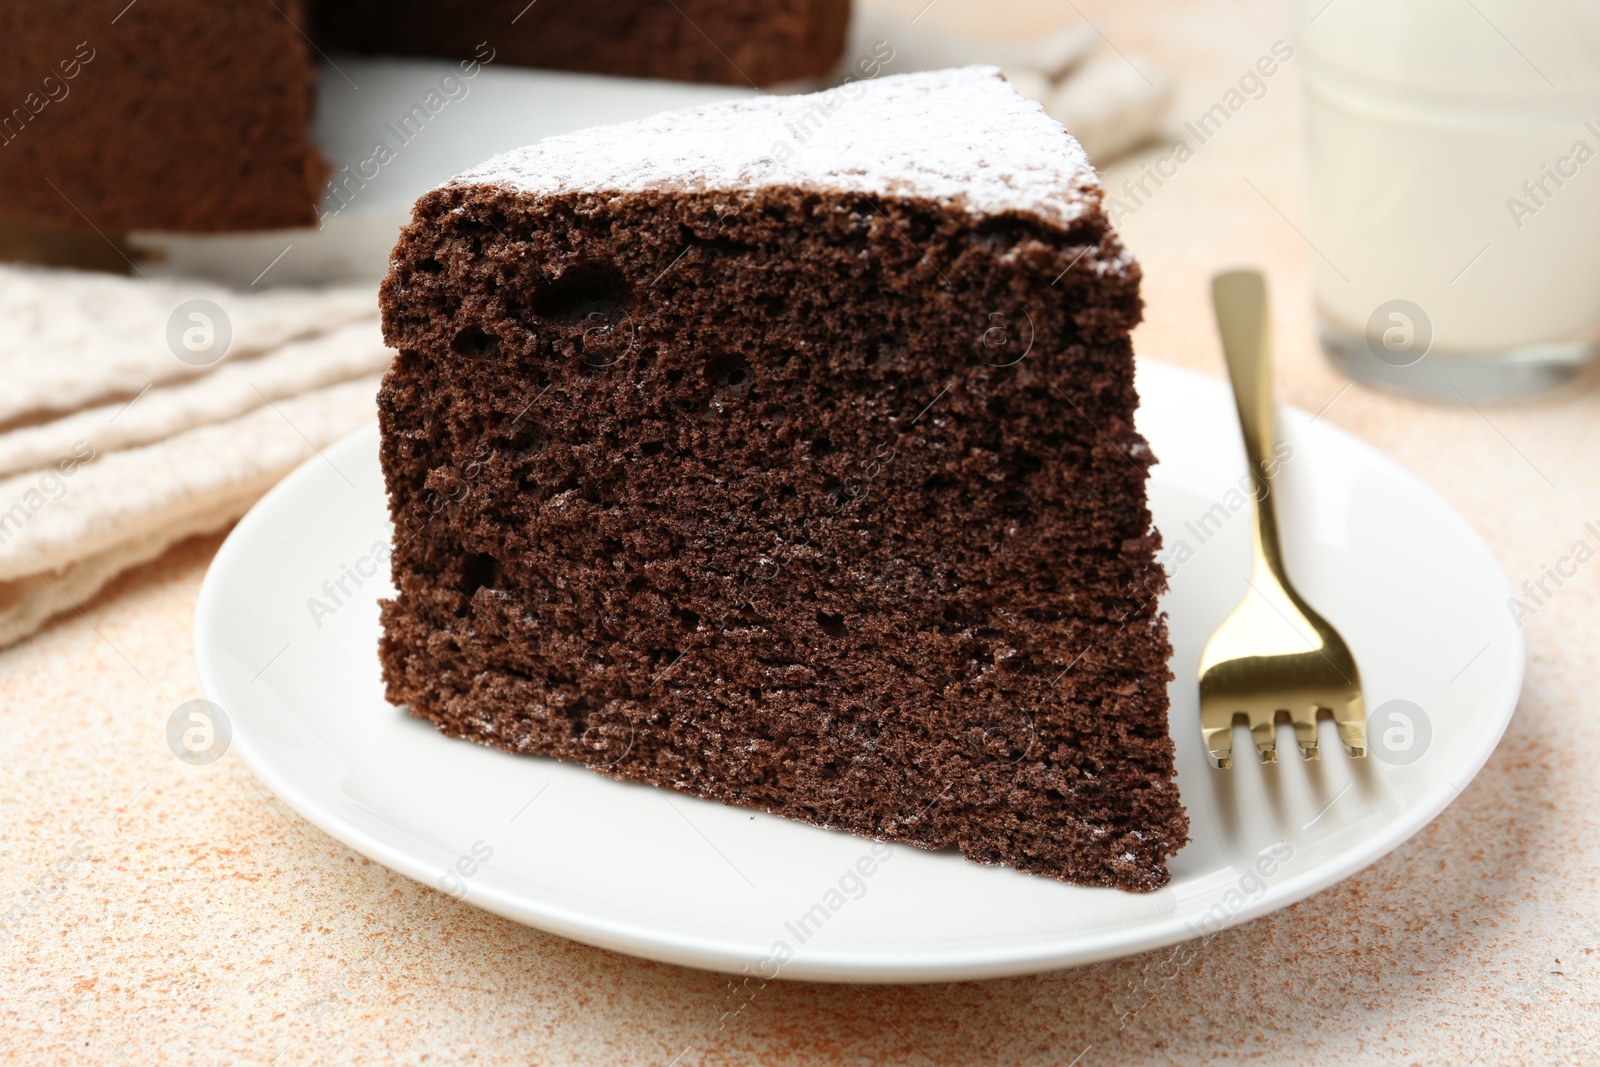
734, 42
781, 452
176, 115
194, 115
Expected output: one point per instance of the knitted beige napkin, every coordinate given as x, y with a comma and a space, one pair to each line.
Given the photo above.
117, 440
1112, 101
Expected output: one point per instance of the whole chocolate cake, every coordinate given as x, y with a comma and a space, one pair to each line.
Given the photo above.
193, 115
781, 452
734, 42
180, 115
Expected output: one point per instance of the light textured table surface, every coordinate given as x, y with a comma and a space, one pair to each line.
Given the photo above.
182, 914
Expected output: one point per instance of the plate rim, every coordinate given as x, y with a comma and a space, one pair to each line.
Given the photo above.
729, 955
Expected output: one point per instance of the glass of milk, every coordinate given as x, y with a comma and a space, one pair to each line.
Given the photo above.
1455, 191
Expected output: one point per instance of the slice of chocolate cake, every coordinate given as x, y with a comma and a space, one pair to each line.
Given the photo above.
782, 452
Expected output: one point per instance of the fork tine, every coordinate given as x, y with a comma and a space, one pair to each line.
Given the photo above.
1352, 724
1265, 732
1219, 744
1305, 732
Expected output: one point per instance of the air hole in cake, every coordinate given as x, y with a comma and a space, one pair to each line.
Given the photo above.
832, 625
478, 570
431, 266
652, 448
750, 618
526, 439
731, 378
689, 619
578, 711
820, 447
718, 246
473, 341
1014, 502
1025, 463
953, 616
595, 287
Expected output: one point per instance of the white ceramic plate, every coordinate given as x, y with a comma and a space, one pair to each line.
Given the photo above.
657, 874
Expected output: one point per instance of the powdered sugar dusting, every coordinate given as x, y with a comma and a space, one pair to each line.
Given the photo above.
961, 137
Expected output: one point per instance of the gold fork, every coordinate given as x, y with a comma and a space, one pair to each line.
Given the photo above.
1274, 659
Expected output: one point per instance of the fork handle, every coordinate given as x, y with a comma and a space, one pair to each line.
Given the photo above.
1240, 300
